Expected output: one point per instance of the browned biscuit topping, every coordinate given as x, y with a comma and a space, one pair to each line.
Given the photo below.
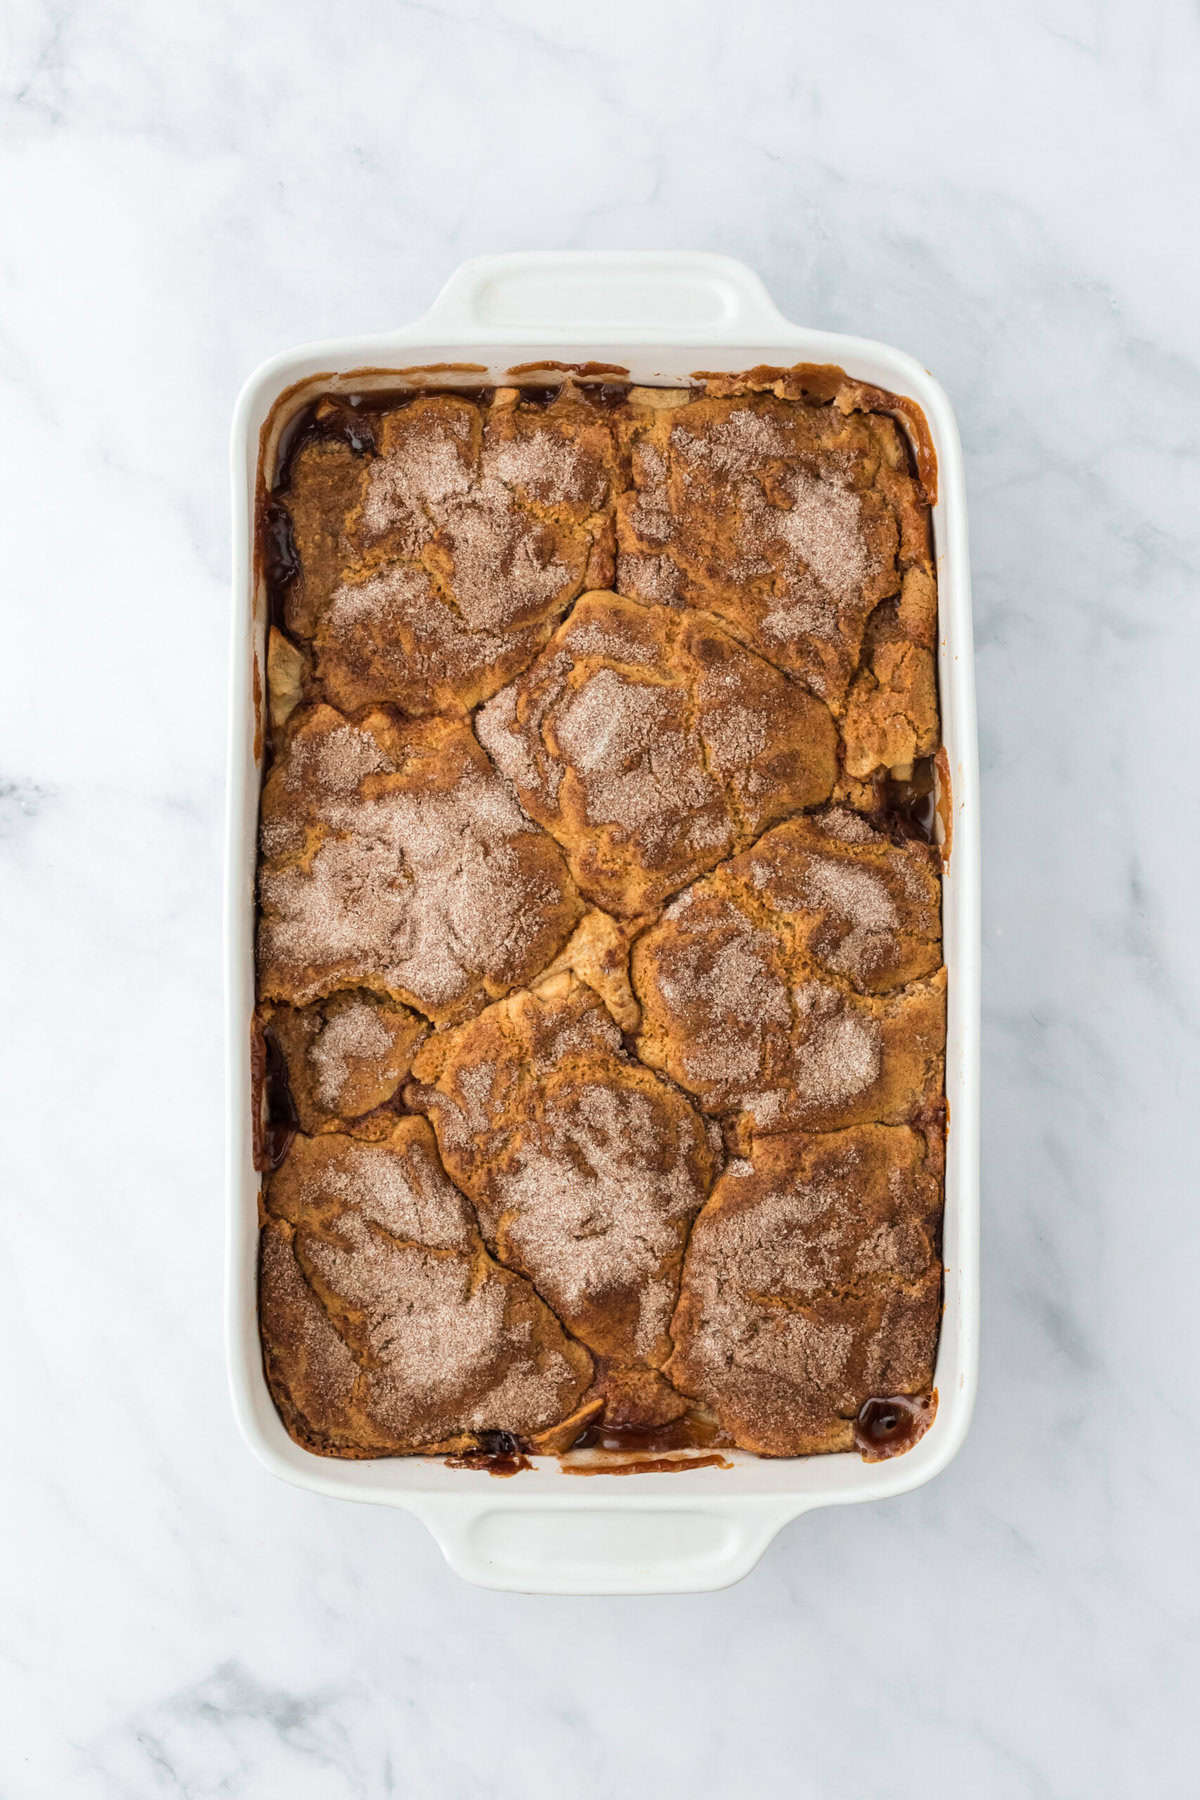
585, 1168
813, 1282
798, 987
601, 1003
891, 715
790, 522
395, 858
651, 744
346, 1057
387, 1325
434, 570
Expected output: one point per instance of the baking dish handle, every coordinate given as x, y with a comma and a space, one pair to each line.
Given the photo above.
546, 296
633, 1548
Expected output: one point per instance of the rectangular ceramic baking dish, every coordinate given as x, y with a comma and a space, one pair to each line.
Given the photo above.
660, 316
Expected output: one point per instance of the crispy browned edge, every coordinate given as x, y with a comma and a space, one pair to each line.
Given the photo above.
819, 382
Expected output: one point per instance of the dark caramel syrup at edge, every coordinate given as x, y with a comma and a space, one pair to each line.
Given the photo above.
275, 1119
908, 809
499, 1453
502, 1453
687, 1433
889, 1425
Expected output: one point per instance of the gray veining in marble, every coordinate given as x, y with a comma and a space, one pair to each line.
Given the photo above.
1008, 191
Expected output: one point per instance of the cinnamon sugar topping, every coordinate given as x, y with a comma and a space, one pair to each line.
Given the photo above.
585, 1169
651, 744
356, 1033
608, 990
446, 1342
587, 1213
429, 892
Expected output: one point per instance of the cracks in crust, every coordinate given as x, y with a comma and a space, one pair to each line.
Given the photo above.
296, 1422
555, 618
921, 469
559, 614
378, 556
498, 1235
745, 836
482, 1259
860, 1287
851, 1290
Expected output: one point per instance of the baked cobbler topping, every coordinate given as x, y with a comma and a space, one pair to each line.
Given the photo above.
601, 1017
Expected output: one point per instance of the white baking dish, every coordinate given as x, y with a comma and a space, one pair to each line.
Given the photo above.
661, 316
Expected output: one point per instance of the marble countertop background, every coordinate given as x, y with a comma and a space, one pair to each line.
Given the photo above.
1005, 191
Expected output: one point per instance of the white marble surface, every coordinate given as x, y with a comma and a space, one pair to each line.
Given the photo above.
1005, 191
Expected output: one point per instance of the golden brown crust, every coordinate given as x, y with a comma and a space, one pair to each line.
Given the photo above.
324, 503
822, 384
432, 571
598, 953
891, 715
790, 522
603, 889
812, 1283
346, 1057
651, 744
394, 858
585, 1168
799, 986
388, 1327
